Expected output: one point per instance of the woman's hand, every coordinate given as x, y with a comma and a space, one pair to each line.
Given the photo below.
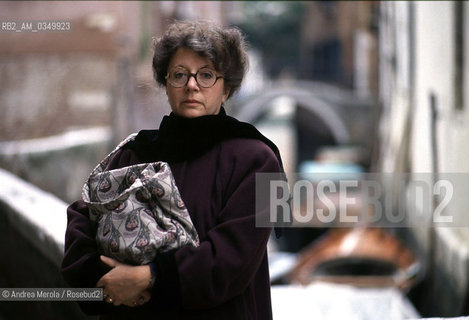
125, 284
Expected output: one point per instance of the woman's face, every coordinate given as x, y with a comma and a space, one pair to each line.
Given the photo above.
192, 100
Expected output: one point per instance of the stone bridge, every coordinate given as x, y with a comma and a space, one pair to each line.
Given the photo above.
324, 115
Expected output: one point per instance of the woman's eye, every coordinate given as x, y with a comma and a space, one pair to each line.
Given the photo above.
178, 75
206, 75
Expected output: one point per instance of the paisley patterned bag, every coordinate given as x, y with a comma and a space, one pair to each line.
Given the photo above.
138, 210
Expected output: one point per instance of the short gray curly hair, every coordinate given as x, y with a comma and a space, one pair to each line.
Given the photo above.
223, 46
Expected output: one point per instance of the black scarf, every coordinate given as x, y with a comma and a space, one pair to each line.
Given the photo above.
181, 139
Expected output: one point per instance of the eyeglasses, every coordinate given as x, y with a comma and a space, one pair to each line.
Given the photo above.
179, 77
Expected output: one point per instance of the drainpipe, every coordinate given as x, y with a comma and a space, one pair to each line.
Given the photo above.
435, 173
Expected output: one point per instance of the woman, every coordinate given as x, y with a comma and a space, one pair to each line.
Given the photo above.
214, 159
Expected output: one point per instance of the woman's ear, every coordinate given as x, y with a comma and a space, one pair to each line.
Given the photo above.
226, 94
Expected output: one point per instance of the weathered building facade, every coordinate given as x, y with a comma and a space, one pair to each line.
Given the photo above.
97, 73
424, 73
94, 76
339, 43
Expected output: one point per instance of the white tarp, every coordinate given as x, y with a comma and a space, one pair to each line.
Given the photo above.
327, 301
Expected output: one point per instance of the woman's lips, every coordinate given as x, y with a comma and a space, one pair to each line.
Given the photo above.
191, 102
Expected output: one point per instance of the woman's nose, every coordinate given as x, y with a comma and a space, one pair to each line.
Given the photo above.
192, 82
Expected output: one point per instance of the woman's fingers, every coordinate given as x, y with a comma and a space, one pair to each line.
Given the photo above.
110, 300
140, 300
136, 301
145, 297
109, 261
125, 284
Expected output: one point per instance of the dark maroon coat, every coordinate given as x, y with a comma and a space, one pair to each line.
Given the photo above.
227, 276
